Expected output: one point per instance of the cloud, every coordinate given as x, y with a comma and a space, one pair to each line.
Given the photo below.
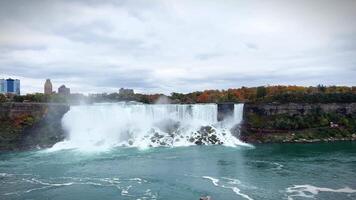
165, 46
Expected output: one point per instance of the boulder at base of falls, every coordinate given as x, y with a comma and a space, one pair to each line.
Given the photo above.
205, 135
161, 139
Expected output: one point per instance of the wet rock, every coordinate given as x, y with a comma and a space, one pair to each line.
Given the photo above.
205, 135
198, 142
235, 130
204, 130
205, 198
130, 142
213, 139
191, 139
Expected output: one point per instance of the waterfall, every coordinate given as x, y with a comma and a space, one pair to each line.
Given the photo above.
238, 112
106, 125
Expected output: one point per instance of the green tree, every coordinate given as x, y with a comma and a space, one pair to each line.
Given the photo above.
2, 98
261, 92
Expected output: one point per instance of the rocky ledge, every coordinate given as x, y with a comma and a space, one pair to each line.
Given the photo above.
298, 123
30, 125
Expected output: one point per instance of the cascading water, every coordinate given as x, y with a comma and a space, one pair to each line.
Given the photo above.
102, 126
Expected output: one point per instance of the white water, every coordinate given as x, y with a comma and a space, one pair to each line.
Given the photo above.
310, 191
102, 126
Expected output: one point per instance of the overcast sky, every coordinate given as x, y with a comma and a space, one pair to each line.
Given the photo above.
183, 46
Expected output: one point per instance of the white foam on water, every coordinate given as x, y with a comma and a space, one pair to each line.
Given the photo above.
232, 183
124, 185
104, 126
310, 191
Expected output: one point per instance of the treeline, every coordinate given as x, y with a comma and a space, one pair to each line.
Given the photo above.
312, 98
281, 94
44, 98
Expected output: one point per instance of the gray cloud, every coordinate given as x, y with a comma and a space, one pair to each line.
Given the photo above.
164, 46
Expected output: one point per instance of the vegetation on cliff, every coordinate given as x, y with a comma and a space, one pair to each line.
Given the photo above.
298, 126
29, 125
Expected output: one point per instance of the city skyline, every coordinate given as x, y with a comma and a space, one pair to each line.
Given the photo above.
177, 46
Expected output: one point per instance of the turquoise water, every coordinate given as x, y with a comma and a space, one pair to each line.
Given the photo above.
285, 171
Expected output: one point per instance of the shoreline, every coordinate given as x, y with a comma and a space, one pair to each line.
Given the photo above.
282, 138
304, 141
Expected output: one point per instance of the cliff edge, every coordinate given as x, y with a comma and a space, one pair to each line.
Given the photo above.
298, 122
30, 125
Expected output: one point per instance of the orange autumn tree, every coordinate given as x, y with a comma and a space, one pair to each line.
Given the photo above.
203, 98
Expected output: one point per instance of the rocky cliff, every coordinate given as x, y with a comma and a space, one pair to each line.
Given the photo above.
298, 122
29, 125
269, 109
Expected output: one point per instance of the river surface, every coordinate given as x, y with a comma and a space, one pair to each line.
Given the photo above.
270, 171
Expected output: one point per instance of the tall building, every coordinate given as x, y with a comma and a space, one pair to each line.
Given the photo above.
10, 86
3, 86
17, 86
63, 90
48, 87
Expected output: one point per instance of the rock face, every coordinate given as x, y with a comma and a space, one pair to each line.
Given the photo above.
30, 125
225, 110
298, 122
270, 109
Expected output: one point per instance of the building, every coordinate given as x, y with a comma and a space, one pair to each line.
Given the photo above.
123, 91
3, 86
48, 87
10, 86
63, 90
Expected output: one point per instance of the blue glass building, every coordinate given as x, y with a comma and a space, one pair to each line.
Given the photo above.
11, 86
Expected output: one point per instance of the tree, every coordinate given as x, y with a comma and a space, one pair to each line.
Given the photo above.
203, 98
321, 88
261, 92
2, 98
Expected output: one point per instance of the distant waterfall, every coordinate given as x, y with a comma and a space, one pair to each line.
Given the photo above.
106, 125
238, 113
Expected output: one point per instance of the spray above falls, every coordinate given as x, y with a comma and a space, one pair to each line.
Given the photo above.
102, 126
